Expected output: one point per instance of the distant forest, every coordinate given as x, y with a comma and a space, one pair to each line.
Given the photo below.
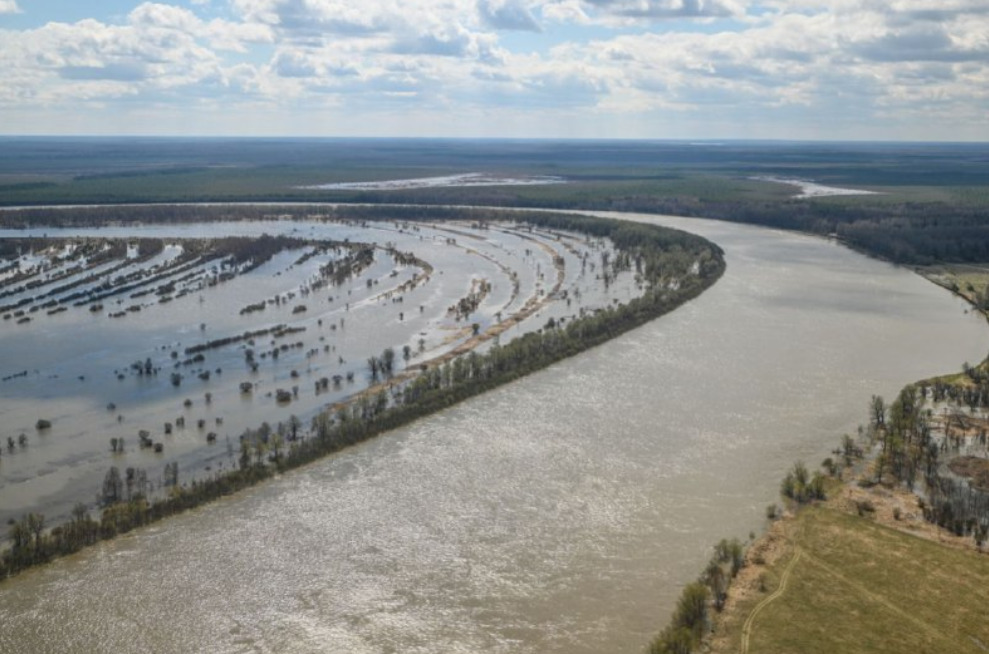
934, 205
918, 233
907, 233
912, 233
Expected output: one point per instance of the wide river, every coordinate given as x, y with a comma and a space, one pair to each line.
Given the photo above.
561, 513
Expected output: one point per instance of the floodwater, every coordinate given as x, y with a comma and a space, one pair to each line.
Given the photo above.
561, 513
75, 368
446, 181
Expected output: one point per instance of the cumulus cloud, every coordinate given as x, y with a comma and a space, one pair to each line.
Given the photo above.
565, 11
920, 43
838, 58
121, 71
507, 15
153, 14
160, 48
9, 7
313, 16
292, 63
659, 9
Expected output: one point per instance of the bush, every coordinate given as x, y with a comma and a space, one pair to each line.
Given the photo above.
688, 623
864, 506
799, 486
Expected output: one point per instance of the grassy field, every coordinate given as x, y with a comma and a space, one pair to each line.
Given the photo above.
852, 585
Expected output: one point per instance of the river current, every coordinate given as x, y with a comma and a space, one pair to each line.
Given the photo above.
561, 513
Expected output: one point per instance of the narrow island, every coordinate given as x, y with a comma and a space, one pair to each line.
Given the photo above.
654, 269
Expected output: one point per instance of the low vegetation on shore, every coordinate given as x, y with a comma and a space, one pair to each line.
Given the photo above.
882, 555
844, 582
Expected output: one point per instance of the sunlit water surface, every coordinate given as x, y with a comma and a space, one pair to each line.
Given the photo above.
561, 513
75, 368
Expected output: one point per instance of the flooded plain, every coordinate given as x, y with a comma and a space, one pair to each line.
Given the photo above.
134, 354
560, 513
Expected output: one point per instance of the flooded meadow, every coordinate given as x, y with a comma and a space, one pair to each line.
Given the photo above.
153, 345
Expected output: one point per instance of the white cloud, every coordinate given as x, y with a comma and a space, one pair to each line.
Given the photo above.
565, 11
844, 66
851, 60
9, 7
314, 16
664, 9
507, 15
153, 14
156, 51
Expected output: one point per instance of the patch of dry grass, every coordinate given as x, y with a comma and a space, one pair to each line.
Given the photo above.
861, 585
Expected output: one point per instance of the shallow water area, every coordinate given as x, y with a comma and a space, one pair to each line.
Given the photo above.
444, 181
809, 189
560, 513
83, 369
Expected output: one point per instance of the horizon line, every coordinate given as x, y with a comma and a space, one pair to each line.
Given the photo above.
529, 139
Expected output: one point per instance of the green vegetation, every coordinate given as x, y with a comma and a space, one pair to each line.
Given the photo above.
691, 620
905, 227
687, 625
912, 453
849, 584
801, 487
660, 256
858, 586
930, 208
852, 584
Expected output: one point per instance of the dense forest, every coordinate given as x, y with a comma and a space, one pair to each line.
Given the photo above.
674, 267
935, 452
932, 205
916, 233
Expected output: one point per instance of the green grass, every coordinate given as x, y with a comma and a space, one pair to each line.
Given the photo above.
862, 587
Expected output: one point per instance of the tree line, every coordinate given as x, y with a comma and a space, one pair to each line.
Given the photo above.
663, 254
910, 451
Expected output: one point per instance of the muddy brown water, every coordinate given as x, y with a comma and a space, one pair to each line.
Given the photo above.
561, 513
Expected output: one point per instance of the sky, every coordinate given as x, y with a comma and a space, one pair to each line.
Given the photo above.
643, 69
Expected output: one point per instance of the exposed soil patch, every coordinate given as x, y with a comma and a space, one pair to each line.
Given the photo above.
973, 468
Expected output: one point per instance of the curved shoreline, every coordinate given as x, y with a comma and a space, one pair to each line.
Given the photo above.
756, 227
773, 544
333, 433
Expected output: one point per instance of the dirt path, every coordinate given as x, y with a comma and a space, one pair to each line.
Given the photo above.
799, 554
747, 627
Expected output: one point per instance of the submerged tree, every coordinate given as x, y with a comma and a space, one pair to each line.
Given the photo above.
113, 487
